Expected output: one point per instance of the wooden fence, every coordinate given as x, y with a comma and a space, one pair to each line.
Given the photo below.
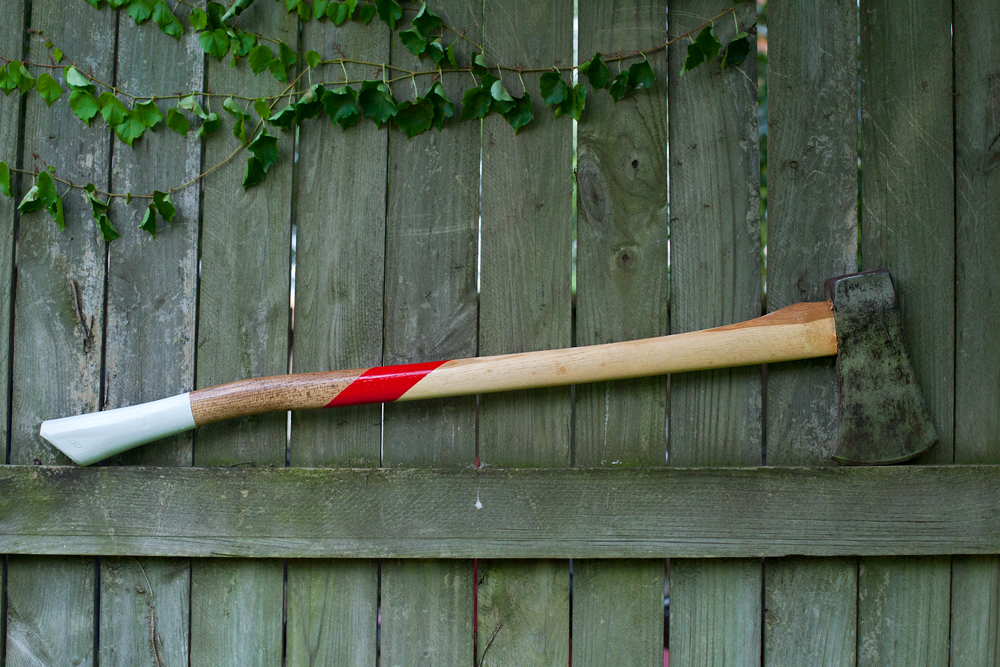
408, 250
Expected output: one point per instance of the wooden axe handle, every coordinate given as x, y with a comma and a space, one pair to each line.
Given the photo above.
800, 331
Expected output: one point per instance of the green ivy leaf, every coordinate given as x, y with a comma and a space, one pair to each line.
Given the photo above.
413, 41
20, 77
305, 11
83, 105
342, 106
573, 104
443, 107
619, 87
414, 117
365, 13
736, 51
705, 47
476, 103
31, 201
262, 109
215, 13
254, 173
139, 10
259, 57
596, 71
284, 118
210, 124
521, 113
265, 149
241, 43
148, 114
99, 209
130, 129
149, 220
77, 81
6, 85
426, 20
48, 88
640, 75
479, 67
5, 179
338, 12
236, 9
554, 89
310, 104
319, 9
435, 50
376, 102
178, 122
313, 59
198, 19
57, 55
215, 43
190, 103
113, 111
165, 205
43, 194
165, 18
450, 52
241, 116
280, 65
389, 12
96, 4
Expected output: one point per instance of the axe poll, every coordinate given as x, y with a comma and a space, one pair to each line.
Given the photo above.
882, 415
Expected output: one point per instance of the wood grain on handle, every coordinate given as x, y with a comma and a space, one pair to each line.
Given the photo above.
800, 331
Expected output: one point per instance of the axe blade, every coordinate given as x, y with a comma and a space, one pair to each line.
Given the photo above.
883, 418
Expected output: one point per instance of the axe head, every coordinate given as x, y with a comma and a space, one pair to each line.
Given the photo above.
882, 415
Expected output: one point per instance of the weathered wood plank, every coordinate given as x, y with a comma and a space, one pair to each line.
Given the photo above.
59, 320
715, 417
621, 295
536, 513
145, 611
431, 303
50, 611
975, 599
908, 226
810, 605
525, 304
150, 340
340, 242
243, 326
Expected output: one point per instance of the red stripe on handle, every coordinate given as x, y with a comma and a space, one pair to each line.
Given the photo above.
383, 384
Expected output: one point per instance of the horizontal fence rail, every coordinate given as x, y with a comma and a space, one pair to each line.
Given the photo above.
500, 513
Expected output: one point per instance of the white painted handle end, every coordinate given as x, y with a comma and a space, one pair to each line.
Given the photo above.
91, 438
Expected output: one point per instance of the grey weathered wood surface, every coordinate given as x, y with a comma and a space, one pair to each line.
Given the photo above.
548, 513
715, 417
975, 597
525, 304
59, 319
243, 328
10, 119
149, 345
908, 226
621, 294
340, 242
432, 230
810, 605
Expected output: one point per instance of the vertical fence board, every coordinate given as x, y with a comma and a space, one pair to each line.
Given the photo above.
236, 606
908, 226
149, 354
810, 604
715, 417
431, 313
975, 600
59, 320
525, 305
340, 218
621, 295
10, 115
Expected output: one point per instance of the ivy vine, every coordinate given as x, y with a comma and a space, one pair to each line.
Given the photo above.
345, 102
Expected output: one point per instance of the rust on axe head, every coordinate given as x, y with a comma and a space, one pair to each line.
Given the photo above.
883, 417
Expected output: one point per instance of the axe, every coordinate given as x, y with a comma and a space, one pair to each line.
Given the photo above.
882, 415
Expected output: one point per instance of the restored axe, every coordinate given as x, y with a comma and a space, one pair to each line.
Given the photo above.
883, 418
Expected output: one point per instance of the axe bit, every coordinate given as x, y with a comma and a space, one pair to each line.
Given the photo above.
882, 415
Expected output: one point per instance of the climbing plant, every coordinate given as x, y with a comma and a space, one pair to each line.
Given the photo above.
257, 120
